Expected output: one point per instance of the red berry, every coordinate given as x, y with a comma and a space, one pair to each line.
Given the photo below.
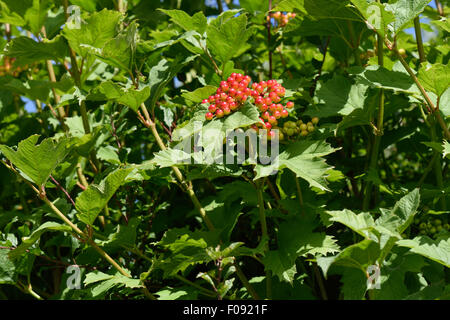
233, 75
230, 80
270, 83
248, 79
263, 108
274, 97
219, 113
211, 99
212, 108
266, 115
226, 110
273, 120
280, 107
217, 96
242, 86
235, 85
268, 101
254, 85
277, 114
225, 87
289, 105
284, 113
259, 101
239, 77
232, 92
268, 125
233, 105
205, 101
222, 83
263, 84
248, 92
273, 108
259, 88
209, 116
223, 105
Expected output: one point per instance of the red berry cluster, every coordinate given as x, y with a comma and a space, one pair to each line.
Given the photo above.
229, 96
266, 96
281, 18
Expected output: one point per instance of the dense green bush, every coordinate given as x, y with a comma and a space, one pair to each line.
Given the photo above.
101, 99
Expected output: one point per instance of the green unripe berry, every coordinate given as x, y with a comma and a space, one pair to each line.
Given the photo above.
433, 230
303, 127
315, 120
290, 132
447, 226
439, 228
304, 133
423, 226
423, 232
311, 128
437, 222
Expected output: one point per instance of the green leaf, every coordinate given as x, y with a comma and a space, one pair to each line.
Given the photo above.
360, 223
339, 96
91, 201
37, 162
120, 51
405, 11
34, 237
280, 266
375, 14
304, 158
131, 97
107, 282
401, 216
27, 50
436, 78
185, 248
226, 38
359, 256
197, 22
164, 72
8, 274
379, 77
96, 31
437, 250
199, 94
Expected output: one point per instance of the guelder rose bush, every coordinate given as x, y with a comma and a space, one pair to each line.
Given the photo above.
108, 110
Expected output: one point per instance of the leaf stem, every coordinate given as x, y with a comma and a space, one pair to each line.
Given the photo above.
419, 39
245, 282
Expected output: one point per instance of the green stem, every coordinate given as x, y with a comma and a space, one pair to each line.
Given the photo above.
431, 107
378, 132
299, 193
245, 282
323, 291
419, 39
262, 218
199, 287
438, 169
